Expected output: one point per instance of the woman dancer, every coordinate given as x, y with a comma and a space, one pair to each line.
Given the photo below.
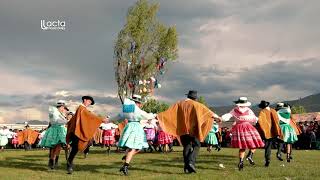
133, 137
150, 130
211, 139
244, 135
55, 136
289, 135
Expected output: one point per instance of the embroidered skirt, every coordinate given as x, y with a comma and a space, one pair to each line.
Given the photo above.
108, 137
245, 136
164, 138
150, 133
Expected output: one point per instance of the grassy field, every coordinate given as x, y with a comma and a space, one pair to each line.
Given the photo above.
20, 164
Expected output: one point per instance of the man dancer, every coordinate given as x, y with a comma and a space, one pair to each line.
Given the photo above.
269, 129
191, 121
81, 129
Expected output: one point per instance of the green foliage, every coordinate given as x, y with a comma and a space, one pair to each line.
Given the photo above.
202, 100
298, 110
154, 106
140, 46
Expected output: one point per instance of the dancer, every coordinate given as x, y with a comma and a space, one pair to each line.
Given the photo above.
269, 128
15, 141
289, 135
4, 132
108, 135
133, 137
55, 136
244, 135
191, 121
150, 130
164, 140
27, 137
81, 128
211, 139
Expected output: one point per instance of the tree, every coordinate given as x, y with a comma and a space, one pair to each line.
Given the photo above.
154, 106
141, 51
298, 110
202, 100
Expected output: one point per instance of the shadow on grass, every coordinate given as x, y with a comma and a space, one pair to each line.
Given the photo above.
38, 163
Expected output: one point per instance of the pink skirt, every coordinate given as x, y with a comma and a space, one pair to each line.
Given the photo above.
14, 141
151, 134
164, 138
245, 136
108, 137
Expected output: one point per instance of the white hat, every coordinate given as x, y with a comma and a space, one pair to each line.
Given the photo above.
242, 101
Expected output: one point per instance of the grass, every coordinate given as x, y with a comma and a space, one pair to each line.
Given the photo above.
19, 164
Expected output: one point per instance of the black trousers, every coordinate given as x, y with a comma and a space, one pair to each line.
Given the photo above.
74, 148
268, 147
191, 147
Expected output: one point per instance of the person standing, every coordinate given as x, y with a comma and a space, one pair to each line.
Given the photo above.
4, 132
80, 130
108, 135
190, 121
55, 136
244, 135
269, 128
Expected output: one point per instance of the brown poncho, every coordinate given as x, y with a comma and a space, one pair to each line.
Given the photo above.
27, 135
187, 117
294, 125
83, 124
268, 124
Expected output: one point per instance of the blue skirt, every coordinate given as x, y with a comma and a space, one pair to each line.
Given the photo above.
55, 135
211, 139
133, 137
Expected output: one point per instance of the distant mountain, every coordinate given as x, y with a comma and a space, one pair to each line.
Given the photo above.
310, 103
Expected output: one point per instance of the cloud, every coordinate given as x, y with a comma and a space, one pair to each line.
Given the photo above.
261, 49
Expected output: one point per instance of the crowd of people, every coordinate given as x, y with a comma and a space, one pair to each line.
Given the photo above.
186, 122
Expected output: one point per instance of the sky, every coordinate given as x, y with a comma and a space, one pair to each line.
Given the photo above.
262, 49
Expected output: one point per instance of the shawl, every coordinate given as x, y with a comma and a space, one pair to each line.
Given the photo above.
27, 135
268, 124
187, 117
83, 125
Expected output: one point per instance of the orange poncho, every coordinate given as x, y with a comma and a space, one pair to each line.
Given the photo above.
187, 117
268, 124
27, 135
294, 126
83, 124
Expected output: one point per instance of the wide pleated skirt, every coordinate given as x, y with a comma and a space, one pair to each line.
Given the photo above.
245, 136
289, 134
54, 135
108, 137
133, 137
150, 133
3, 140
211, 139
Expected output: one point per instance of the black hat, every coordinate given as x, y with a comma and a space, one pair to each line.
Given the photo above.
263, 104
192, 94
136, 98
88, 97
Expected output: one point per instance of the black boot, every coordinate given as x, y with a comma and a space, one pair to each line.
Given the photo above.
279, 157
240, 165
124, 169
288, 157
51, 164
191, 168
124, 157
69, 167
250, 158
267, 163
